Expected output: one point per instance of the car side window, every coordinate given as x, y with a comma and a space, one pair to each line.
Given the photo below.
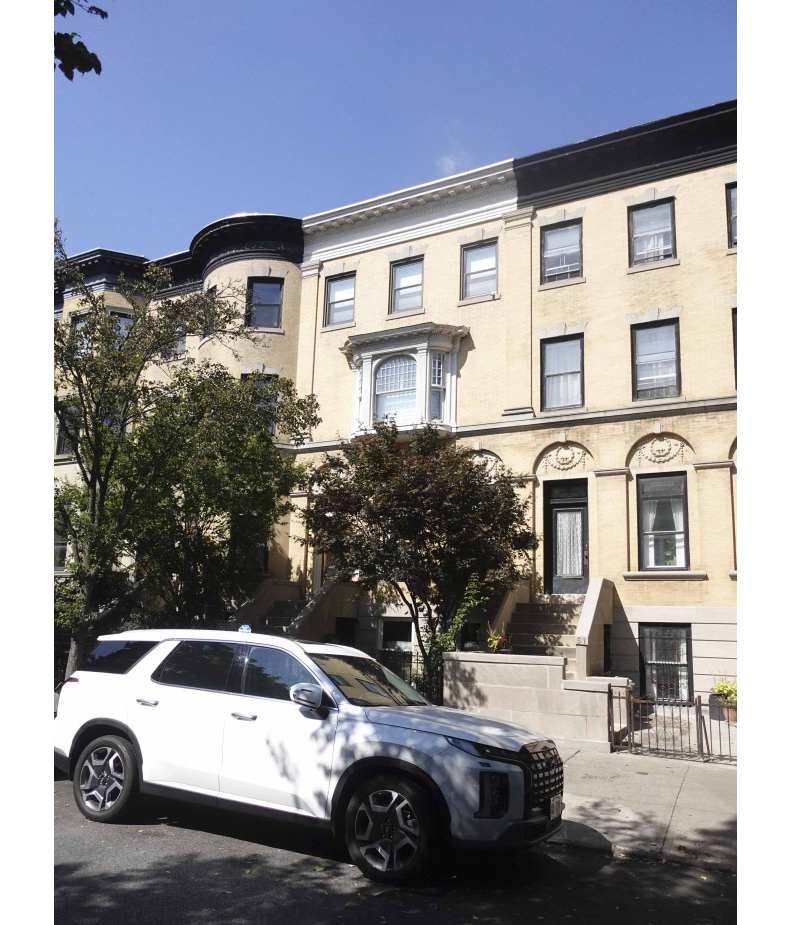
204, 665
271, 672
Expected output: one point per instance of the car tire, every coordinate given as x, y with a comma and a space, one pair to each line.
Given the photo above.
391, 829
106, 779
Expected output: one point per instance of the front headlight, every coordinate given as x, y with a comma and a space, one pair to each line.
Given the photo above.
482, 751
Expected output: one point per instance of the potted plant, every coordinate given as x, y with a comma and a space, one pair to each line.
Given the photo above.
723, 701
498, 642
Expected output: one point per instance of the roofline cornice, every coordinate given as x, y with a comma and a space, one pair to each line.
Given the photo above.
462, 185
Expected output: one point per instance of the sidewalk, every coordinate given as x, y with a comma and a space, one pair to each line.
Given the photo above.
634, 806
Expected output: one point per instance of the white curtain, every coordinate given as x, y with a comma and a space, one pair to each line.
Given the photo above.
569, 544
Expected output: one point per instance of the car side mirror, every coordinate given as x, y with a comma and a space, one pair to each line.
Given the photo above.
306, 695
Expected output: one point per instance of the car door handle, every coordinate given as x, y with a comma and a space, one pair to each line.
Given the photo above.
245, 716
148, 703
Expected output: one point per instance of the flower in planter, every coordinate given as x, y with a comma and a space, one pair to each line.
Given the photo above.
725, 691
497, 641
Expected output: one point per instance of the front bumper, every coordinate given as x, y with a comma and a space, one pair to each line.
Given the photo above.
521, 834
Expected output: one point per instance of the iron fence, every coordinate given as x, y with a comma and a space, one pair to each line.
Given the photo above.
410, 667
690, 729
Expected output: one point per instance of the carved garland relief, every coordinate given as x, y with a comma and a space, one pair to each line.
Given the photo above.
661, 450
565, 457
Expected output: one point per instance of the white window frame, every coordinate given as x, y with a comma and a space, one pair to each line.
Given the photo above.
435, 350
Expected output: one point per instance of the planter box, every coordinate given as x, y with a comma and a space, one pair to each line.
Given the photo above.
722, 711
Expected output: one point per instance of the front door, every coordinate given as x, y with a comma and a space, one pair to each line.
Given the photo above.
566, 536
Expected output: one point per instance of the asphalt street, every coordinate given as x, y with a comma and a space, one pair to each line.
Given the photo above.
183, 865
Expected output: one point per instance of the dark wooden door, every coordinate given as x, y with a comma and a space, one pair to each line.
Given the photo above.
566, 536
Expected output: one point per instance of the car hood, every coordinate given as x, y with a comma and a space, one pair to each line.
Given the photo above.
458, 724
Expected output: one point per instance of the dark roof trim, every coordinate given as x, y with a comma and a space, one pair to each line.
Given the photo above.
653, 151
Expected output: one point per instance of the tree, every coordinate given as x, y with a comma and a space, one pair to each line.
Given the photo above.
423, 518
104, 356
196, 531
71, 56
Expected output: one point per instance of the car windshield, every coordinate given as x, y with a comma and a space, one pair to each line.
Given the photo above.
366, 683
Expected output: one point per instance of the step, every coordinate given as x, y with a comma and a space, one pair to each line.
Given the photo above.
557, 607
544, 619
542, 639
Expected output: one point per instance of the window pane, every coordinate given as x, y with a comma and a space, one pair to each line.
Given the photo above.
407, 286
395, 389
562, 356
115, 657
662, 512
562, 391
204, 665
479, 271
733, 216
341, 300
561, 252
652, 233
569, 544
656, 363
265, 303
60, 551
271, 672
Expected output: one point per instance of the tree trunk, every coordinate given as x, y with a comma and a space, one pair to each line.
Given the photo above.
76, 649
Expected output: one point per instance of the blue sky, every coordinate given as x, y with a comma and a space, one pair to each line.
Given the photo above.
296, 107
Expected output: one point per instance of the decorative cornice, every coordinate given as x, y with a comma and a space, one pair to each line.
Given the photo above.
463, 184
600, 473
716, 464
247, 237
358, 343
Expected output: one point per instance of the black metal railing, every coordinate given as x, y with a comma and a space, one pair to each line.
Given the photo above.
410, 667
687, 729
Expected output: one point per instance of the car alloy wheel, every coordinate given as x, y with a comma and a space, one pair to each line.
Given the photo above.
387, 830
102, 778
106, 779
391, 827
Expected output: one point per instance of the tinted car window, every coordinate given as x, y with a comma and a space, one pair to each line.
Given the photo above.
366, 683
115, 657
271, 672
198, 664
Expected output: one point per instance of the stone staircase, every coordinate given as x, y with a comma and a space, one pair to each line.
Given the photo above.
547, 626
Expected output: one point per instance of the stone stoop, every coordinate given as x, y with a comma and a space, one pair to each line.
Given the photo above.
547, 626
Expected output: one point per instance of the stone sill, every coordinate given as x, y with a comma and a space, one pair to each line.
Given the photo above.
661, 575
658, 401
337, 327
561, 283
656, 265
478, 298
731, 250
733, 575
255, 330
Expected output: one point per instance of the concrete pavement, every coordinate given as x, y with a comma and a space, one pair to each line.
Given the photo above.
659, 808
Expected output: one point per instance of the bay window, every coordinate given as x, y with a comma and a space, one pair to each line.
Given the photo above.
395, 390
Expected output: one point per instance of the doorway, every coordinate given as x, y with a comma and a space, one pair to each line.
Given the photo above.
566, 536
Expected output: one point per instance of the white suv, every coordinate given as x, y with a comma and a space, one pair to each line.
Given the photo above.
322, 732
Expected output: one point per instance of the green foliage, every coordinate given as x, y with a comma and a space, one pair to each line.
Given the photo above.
155, 439
71, 55
420, 514
725, 690
212, 485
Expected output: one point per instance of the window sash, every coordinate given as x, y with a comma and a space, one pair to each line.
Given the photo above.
407, 286
340, 300
652, 233
561, 258
662, 505
562, 369
480, 270
656, 361
265, 297
731, 206
60, 551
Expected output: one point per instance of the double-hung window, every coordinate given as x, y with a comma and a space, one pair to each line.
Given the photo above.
436, 386
267, 399
666, 662
479, 269
64, 445
562, 373
655, 349
395, 390
406, 286
731, 213
340, 299
264, 300
652, 236
662, 521
562, 256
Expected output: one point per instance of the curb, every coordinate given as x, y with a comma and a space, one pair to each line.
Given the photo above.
657, 855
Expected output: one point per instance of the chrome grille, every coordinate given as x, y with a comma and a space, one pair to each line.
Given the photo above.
545, 773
